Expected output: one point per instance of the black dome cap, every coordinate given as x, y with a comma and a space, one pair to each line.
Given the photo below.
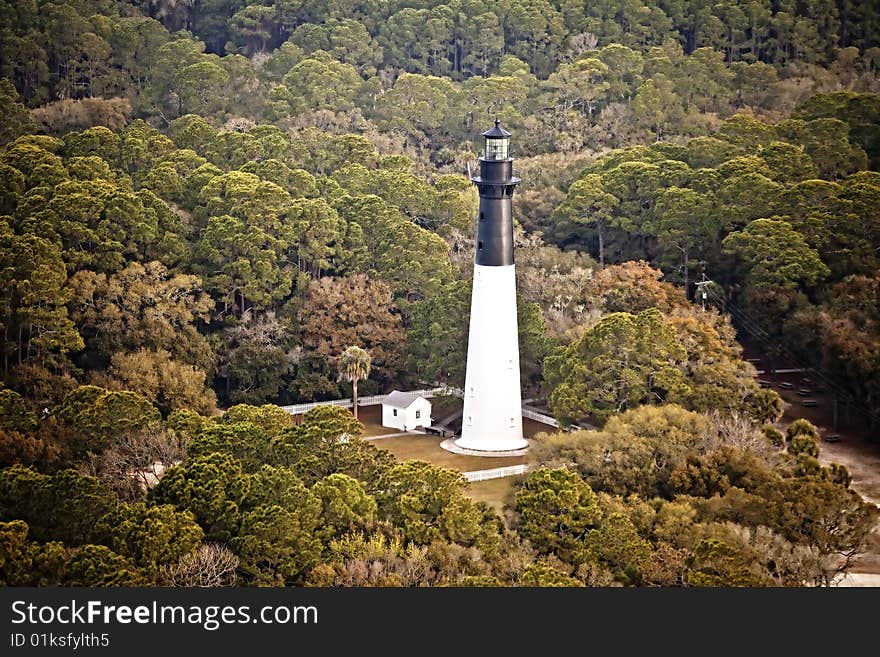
497, 132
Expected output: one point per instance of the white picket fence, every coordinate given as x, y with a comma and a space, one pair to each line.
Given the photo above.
532, 414
370, 400
496, 473
539, 417
299, 409
427, 393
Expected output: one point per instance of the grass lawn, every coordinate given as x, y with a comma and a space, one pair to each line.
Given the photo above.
494, 492
371, 418
427, 448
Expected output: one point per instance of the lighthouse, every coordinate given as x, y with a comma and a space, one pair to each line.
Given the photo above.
492, 417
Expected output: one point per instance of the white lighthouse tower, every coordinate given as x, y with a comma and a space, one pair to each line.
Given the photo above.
492, 418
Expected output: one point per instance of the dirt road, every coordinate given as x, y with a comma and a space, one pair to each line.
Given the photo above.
860, 455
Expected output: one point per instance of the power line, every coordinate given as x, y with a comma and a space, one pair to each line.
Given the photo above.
751, 325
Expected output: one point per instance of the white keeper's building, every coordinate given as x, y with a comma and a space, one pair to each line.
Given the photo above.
404, 411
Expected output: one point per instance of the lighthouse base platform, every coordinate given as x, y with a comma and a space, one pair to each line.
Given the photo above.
450, 445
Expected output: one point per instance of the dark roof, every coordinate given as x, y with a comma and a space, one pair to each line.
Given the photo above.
397, 399
496, 132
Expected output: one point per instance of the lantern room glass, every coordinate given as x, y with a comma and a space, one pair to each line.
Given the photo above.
497, 149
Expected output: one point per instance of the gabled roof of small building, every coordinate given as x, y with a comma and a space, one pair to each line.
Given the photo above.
397, 399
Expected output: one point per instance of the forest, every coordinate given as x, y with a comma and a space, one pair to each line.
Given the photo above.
204, 203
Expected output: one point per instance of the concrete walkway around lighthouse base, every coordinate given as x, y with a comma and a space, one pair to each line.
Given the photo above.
450, 446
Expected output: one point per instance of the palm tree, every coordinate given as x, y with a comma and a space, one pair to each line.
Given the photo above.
354, 365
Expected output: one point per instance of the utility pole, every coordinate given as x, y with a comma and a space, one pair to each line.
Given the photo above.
701, 290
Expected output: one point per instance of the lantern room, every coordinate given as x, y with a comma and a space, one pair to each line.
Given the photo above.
497, 143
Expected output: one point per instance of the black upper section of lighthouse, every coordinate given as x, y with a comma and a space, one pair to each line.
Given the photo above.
496, 183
